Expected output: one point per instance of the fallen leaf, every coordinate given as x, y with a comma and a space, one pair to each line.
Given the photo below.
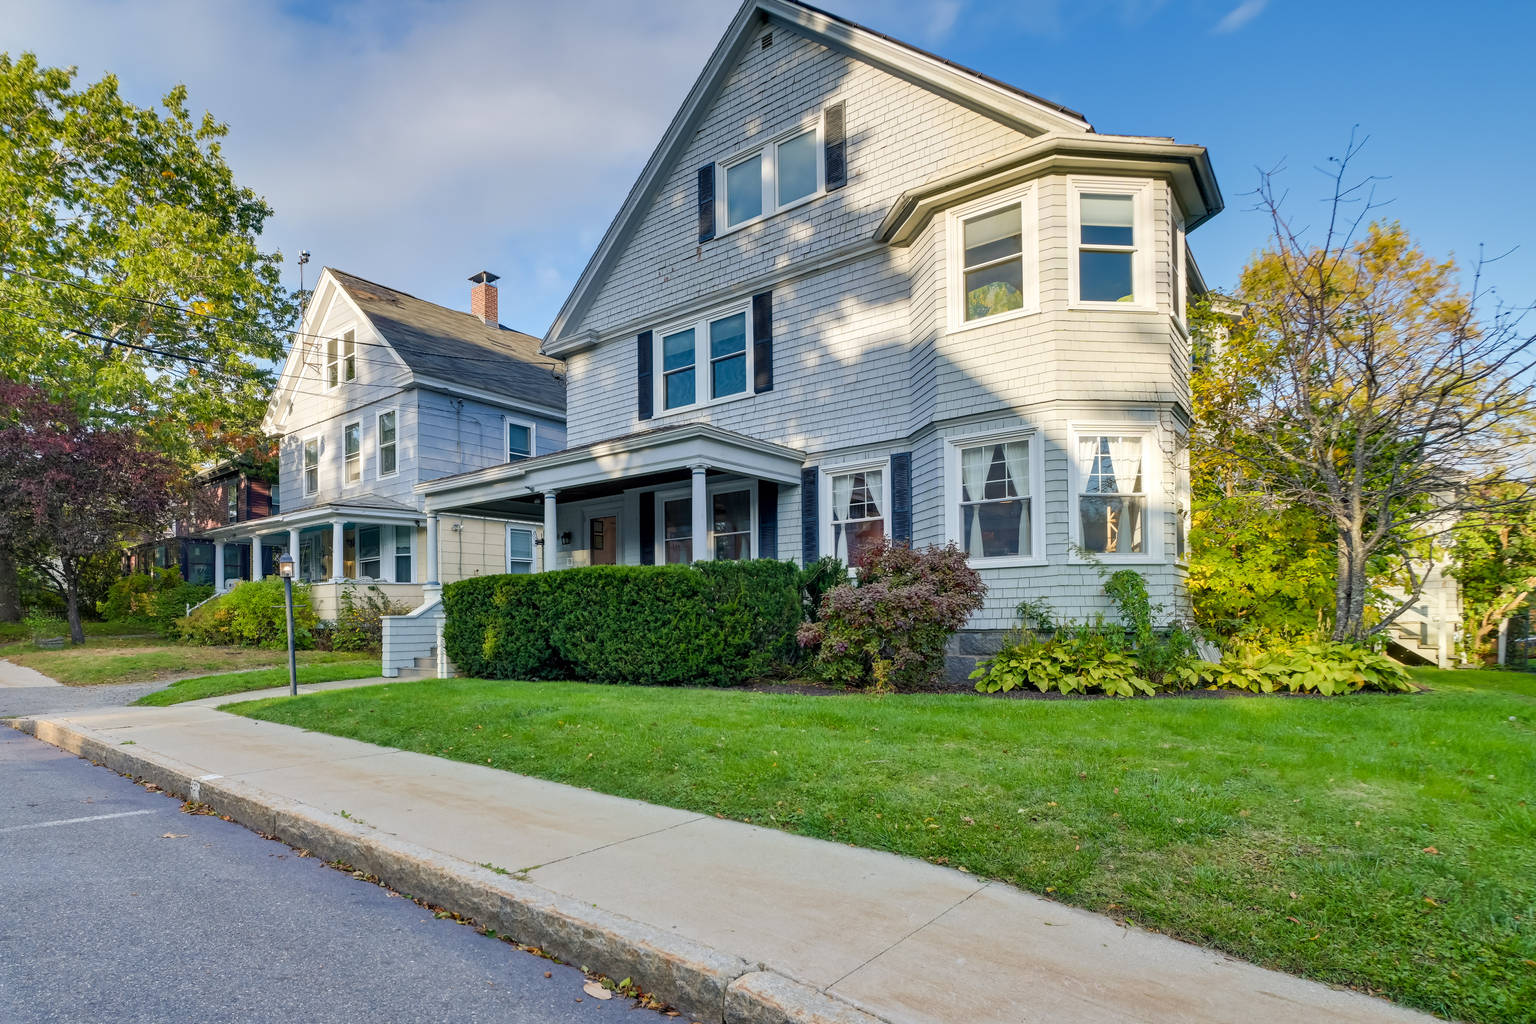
1431, 851
596, 991
1294, 920
174, 835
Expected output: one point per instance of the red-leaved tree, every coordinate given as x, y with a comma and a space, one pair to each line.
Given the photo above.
73, 490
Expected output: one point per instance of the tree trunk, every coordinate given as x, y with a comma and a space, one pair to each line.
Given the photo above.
72, 602
10, 586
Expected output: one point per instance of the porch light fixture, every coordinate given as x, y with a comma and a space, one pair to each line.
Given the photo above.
285, 566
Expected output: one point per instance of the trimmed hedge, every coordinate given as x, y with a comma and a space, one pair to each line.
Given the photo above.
714, 623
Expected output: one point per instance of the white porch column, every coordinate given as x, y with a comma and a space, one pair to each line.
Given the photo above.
703, 549
218, 567
293, 549
551, 533
338, 541
256, 558
432, 580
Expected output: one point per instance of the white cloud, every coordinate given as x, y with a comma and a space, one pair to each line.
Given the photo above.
410, 141
1240, 15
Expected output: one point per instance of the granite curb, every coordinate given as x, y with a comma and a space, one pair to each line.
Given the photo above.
705, 983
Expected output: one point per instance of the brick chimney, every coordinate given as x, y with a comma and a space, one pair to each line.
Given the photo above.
482, 298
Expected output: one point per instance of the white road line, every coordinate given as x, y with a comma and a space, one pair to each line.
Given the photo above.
73, 821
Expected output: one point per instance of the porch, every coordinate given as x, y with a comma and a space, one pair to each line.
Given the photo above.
672, 495
335, 546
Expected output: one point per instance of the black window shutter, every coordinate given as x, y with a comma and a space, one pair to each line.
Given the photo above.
836, 142
762, 342
901, 498
643, 356
810, 525
706, 202
648, 528
767, 519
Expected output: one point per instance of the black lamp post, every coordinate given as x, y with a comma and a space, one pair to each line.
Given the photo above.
285, 567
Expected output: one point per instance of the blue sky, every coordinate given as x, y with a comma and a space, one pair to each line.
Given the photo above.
418, 141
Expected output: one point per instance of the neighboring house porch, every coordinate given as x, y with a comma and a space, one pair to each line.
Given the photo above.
337, 546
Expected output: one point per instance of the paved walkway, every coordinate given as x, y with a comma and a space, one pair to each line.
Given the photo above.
905, 940
17, 676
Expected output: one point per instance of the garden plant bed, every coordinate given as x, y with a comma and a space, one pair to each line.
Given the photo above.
145, 659
1381, 842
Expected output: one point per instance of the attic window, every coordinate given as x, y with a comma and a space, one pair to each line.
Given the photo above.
340, 359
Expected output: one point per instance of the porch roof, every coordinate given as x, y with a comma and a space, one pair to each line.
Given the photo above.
657, 455
365, 510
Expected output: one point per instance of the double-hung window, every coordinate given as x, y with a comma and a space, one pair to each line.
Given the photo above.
994, 503
519, 440
352, 453
723, 344
1112, 493
992, 258
782, 173
520, 549
405, 537
311, 466
1111, 239
388, 453
677, 530
857, 513
340, 359
232, 501
731, 521
369, 557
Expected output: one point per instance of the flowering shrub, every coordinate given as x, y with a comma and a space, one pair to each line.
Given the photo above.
889, 629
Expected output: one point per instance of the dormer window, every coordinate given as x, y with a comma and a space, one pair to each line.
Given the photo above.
774, 177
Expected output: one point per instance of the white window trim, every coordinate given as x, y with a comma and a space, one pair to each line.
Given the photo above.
824, 496
304, 468
533, 437
361, 444
1152, 484
378, 444
536, 560
770, 153
1143, 281
1180, 272
701, 360
1026, 197
710, 490
953, 490
349, 335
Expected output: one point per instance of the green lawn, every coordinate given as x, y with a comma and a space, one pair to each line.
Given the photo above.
1382, 842
19, 633
143, 659
256, 679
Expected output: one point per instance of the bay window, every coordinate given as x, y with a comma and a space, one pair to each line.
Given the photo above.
1112, 493
993, 488
1110, 224
992, 258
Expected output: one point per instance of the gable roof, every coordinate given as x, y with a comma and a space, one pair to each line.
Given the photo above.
1028, 113
447, 345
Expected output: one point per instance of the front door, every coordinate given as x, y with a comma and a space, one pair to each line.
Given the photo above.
603, 540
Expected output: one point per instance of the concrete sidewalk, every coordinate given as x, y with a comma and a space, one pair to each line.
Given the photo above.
814, 929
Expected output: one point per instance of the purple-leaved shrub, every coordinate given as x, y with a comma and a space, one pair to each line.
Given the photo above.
888, 630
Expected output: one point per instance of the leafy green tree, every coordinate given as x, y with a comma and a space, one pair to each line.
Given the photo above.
1494, 562
133, 285
1370, 390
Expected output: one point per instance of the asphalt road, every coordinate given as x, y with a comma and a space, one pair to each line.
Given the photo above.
148, 914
